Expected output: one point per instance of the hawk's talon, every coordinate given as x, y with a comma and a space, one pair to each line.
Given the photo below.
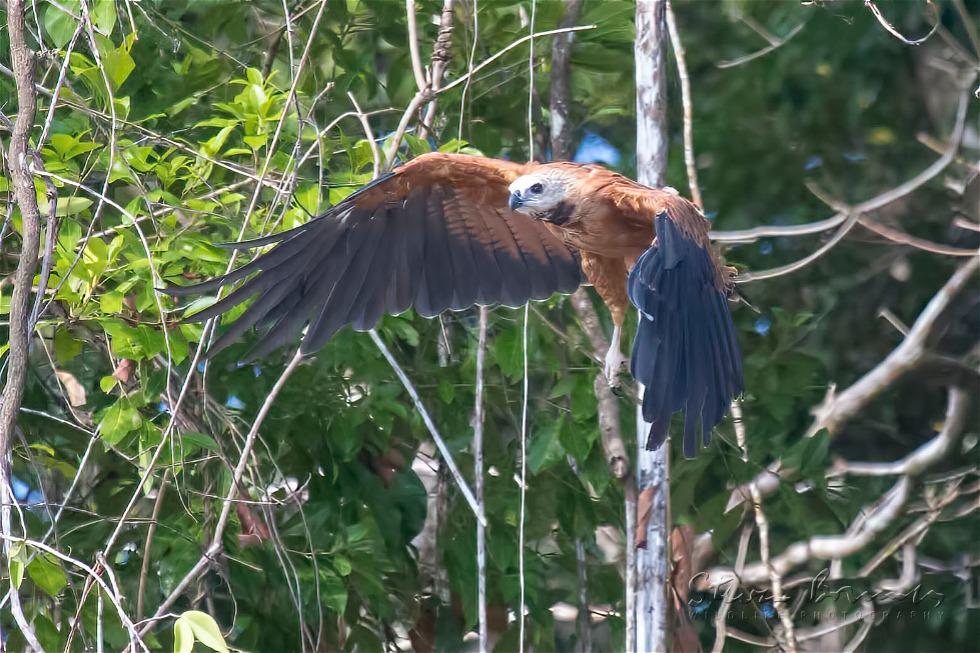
615, 362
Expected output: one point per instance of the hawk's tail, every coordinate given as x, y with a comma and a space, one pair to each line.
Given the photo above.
685, 351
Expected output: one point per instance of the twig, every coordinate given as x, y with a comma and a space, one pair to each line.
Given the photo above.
584, 620
59, 84
524, 39
902, 238
610, 431
731, 63
762, 523
148, 547
913, 464
894, 32
175, 407
867, 206
874, 519
721, 621
430, 425
216, 545
475, 10
688, 104
101, 197
440, 60
50, 238
969, 25
839, 408
525, 389
413, 46
851, 217
522, 510
481, 531
18, 157
375, 150
111, 592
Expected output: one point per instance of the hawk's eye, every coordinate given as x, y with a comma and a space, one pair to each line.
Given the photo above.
536, 188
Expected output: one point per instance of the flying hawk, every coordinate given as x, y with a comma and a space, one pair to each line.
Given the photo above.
447, 231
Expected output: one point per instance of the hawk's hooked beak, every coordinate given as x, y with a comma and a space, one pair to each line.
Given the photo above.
515, 200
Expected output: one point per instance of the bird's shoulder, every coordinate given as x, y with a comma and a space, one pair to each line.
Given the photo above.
467, 174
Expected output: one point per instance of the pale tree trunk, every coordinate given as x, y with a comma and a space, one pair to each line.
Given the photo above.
650, 597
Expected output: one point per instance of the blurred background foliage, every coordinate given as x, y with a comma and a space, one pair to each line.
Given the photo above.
201, 94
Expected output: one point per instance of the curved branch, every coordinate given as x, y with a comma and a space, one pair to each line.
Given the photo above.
839, 408
878, 519
755, 233
894, 32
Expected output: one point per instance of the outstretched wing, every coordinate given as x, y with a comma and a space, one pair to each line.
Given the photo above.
435, 234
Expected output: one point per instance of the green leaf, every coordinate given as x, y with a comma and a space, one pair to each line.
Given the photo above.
200, 440
577, 440
342, 565
183, 636
815, 452
66, 206
545, 448
103, 14
15, 564
333, 591
119, 421
111, 303
446, 390
416, 145
47, 574
204, 629
65, 346
255, 142
118, 66
59, 25
563, 387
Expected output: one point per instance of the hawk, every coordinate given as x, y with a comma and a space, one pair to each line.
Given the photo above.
448, 231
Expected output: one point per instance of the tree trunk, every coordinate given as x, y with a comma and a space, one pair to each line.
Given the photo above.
650, 598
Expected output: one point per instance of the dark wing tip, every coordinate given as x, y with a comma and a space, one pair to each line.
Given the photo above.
685, 350
175, 291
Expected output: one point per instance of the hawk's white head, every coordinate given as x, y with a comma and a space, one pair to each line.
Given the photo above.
540, 192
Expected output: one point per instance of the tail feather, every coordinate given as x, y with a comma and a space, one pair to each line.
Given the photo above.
685, 351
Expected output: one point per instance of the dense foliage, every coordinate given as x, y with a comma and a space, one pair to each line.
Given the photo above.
205, 123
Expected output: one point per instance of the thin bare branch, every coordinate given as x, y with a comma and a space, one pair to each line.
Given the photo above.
875, 519
870, 4
440, 60
883, 199
481, 532
215, 548
688, 105
731, 63
430, 425
721, 618
413, 46
838, 408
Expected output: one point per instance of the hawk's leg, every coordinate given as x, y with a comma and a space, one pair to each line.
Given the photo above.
607, 275
614, 358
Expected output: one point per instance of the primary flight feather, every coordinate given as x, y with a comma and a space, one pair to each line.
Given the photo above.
447, 231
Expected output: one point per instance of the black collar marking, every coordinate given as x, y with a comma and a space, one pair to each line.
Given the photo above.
559, 215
